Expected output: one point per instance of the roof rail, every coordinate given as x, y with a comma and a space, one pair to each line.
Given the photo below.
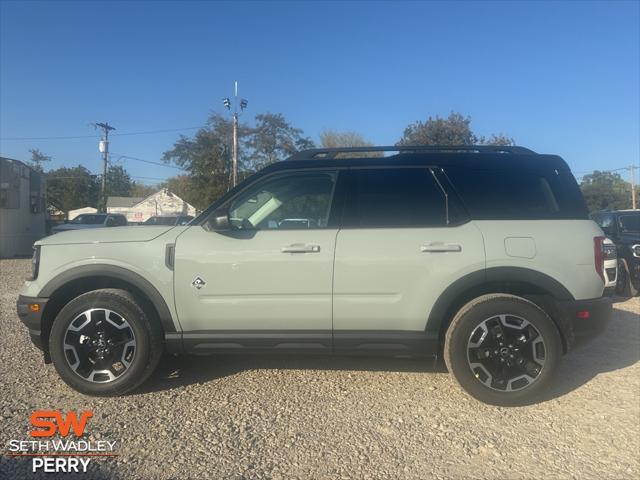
328, 153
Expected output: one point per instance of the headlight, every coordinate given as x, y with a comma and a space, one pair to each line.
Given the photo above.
609, 250
35, 262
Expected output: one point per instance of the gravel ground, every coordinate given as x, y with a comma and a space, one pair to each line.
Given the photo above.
276, 417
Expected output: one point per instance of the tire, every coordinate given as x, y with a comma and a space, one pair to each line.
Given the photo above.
478, 351
624, 284
110, 357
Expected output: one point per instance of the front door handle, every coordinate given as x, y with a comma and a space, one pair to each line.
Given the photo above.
441, 247
301, 248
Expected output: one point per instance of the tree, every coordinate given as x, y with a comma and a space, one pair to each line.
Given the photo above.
606, 191
37, 159
453, 130
273, 139
496, 139
142, 190
71, 188
207, 159
118, 182
206, 156
333, 139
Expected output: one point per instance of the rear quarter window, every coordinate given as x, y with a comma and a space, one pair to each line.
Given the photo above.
518, 194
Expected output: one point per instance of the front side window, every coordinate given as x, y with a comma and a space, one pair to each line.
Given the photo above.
629, 223
288, 201
402, 197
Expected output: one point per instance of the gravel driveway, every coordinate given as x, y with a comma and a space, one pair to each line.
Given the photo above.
277, 417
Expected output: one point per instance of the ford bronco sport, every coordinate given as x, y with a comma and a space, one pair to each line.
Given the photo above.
484, 255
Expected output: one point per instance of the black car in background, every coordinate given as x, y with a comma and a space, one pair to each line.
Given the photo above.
623, 228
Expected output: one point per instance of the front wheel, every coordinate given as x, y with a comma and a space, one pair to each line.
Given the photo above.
103, 343
503, 349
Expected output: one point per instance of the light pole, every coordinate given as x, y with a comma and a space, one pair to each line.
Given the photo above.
243, 104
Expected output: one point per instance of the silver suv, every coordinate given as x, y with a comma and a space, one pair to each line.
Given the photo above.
484, 256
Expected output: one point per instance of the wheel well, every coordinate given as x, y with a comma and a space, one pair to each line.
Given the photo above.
538, 295
74, 288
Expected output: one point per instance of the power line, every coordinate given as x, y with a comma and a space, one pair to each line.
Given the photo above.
148, 132
603, 171
72, 137
94, 175
129, 157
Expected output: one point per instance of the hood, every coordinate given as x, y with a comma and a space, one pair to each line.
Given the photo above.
73, 226
106, 235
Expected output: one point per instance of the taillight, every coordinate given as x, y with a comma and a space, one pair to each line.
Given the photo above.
598, 255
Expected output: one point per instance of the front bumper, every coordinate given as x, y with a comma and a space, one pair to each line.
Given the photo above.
32, 318
586, 318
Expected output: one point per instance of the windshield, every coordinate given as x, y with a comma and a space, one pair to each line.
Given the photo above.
88, 219
629, 223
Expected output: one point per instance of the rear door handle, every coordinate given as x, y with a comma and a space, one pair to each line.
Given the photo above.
441, 247
301, 248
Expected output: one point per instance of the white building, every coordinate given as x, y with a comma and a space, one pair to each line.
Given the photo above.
139, 209
22, 208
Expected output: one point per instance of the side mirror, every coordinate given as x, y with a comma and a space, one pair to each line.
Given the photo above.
219, 219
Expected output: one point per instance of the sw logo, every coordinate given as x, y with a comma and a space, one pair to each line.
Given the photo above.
51, 421
47, 423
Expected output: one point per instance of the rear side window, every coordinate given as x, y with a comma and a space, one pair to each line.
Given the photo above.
518, 194
403, 197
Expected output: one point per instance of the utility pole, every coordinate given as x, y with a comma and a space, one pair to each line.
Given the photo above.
632, 169
234, 167
243, 104
104, 149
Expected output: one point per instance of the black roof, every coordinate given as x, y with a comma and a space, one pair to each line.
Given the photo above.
470, 156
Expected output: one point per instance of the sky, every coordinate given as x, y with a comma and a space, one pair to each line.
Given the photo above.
561, 77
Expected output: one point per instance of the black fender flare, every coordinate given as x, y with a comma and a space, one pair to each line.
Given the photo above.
482, 278
118, 273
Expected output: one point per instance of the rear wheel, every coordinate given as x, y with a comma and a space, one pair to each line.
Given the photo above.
103, 343
503, 349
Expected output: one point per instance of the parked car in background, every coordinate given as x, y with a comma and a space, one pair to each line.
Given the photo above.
623, 228
168, 220
92, 220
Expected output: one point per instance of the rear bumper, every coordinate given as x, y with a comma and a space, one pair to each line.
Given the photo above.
586, 318
32, 319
